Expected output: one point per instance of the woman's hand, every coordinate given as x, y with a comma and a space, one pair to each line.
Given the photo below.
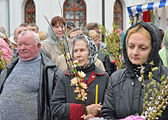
94, 109
87, 117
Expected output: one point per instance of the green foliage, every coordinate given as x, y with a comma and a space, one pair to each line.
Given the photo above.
113, 43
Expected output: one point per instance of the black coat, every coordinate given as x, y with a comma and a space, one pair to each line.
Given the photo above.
124, 95
64, 94
49, 74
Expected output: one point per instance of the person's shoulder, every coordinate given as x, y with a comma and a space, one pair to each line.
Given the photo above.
118, 76
99, 64
164, 69
64, 76
61, 63
60, 58
118, 73
99, 71
46, 61
66, 72
121, 71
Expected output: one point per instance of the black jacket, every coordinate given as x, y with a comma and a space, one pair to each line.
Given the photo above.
124, 95
109, 67
49, 74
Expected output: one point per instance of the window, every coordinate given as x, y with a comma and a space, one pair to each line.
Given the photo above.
118, 14
75, 11
30, 12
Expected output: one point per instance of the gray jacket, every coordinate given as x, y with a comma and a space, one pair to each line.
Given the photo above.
124, 95
49, 74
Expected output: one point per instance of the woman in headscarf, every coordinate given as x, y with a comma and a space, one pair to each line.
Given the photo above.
56, 35
64, 104
124, 95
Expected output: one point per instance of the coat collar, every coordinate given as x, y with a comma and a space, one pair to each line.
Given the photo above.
96, 71
46, 61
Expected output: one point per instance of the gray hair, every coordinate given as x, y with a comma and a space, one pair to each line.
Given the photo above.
2, 30
35, 35
90, 45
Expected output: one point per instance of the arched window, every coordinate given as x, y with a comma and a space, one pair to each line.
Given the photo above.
118, 14
30, 12
75, 11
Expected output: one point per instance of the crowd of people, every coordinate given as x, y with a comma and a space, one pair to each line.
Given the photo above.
35, 83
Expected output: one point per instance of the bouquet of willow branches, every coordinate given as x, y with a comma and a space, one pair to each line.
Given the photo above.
76, 81
113, 43
155, 104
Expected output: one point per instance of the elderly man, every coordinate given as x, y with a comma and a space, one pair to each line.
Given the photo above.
27, 83
17, 31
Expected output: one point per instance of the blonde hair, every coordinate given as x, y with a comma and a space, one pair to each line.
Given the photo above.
42, 35
138, 29
93, 34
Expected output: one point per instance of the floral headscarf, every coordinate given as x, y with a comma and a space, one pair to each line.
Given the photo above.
93, 53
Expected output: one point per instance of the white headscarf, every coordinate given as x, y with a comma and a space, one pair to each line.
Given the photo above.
93, 53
